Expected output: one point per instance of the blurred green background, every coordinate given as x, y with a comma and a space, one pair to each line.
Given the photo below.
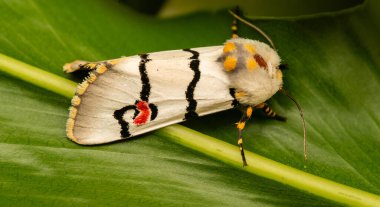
334, 74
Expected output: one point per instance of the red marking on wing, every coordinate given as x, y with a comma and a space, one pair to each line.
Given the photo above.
144, 113
260, 60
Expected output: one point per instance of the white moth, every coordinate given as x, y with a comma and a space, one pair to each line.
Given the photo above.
125, 97
129, 96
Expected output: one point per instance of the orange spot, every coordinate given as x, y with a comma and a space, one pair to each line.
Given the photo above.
240, 94
115, 61
249, 112
234, 36
90, 65
70, 135
75, 101
101, 69
251, 64
250, 48
91, 78
73, 112
67, 68
229, 47
230, 63
279, 75
82, 88
69, 129
70, 124
240, 125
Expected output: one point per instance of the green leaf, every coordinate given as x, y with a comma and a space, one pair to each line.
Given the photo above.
334, 74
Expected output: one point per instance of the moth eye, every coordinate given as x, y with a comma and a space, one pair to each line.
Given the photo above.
283, 66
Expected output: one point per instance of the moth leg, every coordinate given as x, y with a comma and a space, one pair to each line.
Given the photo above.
240, 126
79, 65
269, 112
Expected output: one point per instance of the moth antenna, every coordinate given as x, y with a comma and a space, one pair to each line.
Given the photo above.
253, 27
303, 124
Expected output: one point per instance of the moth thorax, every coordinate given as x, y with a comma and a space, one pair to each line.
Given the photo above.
252, 68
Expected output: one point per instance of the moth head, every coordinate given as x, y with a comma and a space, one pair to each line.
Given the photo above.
253, 67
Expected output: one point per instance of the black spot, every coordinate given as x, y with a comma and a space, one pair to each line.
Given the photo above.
154, 110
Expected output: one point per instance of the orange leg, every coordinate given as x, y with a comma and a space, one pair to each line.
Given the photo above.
240, 125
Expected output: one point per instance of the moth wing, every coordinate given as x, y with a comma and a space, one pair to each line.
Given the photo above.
143, 93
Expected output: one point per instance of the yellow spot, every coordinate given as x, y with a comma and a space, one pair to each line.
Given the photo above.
82, 87
229, 47
67, 68
101, 69
234, 36
90, 65
267, 110
70, 128
70, 124
249, 112
279, 75
75, 101
240, 141
91, 78
234, 28
73, 112
115, 61
251, 64
240, 125
250, 48
240, 94
230, 63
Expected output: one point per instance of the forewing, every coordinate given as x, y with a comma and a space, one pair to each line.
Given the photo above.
146, 92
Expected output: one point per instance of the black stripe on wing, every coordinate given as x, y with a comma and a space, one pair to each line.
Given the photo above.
194, 66
145, 92
138, 106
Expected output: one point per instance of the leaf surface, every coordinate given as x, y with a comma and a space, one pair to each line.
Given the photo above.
334, 74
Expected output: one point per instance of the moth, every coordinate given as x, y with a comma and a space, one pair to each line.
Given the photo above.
129, 96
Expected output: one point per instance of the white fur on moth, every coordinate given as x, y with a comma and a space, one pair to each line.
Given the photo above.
129, 96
